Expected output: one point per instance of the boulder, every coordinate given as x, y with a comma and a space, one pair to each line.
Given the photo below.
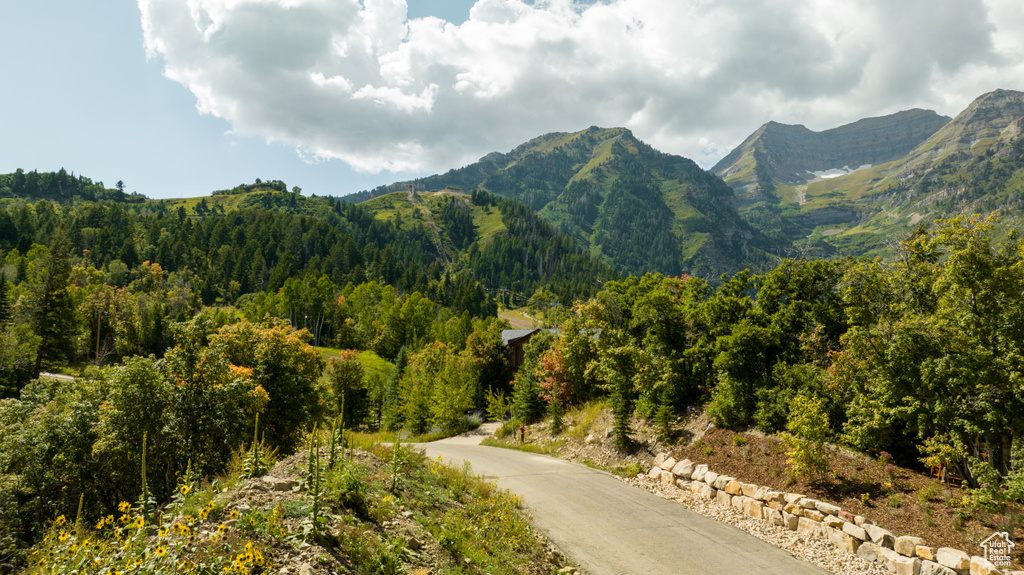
722, 481
774, 517
791, 521
761, 494
981, 566
808, 527
776, 505
683, 484
723, 498
668, 464
808, 503
683, 469
710, 478
702, 490
880, 536
856, 531
933, 568
667, 478
902, 565
870, 552
842, 540
888, 555
699, 472
738, 501
861, 521
306, 569
777, 496
833, 522
907, 545
277, 484
827, 508
925, 552
753, 508
659, 459
734, 487
955, 559
792, 497
847, 516
814, 514
654, 473
749, 489
793, 508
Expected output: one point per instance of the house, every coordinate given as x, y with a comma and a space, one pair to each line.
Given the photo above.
515, 341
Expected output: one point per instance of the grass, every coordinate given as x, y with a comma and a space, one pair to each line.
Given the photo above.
551, 448
583, 419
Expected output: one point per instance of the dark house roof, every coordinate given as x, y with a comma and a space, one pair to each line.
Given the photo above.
511, 336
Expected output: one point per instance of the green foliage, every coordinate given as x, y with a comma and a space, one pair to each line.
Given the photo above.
345, 377
527, 403
18, 349
808, 430
281, 364
437, 389
498, 406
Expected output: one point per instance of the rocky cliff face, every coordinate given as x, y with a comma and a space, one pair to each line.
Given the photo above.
794, 155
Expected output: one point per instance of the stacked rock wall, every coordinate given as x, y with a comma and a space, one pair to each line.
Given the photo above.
903, 555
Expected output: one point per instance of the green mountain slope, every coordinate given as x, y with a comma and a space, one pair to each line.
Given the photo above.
972, 164
636, 208
456, 248
781, 154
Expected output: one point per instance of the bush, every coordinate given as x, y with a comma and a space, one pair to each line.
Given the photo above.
808, 429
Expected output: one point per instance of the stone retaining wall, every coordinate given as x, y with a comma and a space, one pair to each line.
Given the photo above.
903, 555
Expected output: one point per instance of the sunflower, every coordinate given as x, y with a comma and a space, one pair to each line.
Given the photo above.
161, 551
185, 489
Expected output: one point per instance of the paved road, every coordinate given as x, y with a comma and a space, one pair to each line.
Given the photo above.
609, 527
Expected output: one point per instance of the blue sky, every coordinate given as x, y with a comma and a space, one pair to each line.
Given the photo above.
338, 96
80, 94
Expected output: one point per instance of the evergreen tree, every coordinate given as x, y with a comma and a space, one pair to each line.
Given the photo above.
54, 319
5, 309
391, 410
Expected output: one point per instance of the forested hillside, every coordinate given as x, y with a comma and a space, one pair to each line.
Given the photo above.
636, 208
203, 335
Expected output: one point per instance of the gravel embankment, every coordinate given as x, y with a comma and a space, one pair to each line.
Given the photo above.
813, 550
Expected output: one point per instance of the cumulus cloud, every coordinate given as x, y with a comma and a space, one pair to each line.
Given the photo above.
359, 81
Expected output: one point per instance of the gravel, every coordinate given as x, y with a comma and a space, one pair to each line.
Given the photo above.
814, 550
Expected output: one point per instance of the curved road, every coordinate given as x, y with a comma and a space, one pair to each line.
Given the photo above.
609, 527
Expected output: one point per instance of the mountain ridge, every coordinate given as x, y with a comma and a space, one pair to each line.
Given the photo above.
636, 208
792, 154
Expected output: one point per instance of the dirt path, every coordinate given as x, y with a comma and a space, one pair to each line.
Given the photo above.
519, 321
610, 527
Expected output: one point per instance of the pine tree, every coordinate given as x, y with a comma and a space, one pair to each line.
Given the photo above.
391, 410
5, 309
54, 319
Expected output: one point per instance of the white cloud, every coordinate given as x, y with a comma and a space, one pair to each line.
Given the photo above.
360, 82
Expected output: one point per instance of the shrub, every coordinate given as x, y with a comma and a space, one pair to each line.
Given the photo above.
808, 429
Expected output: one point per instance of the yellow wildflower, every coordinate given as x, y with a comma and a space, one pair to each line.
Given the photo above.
124, 507
184, 489
161, 551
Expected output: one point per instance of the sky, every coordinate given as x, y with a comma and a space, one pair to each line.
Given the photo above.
183, 97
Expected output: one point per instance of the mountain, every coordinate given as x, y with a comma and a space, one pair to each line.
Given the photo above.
793, 155
636, 208
972, 164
